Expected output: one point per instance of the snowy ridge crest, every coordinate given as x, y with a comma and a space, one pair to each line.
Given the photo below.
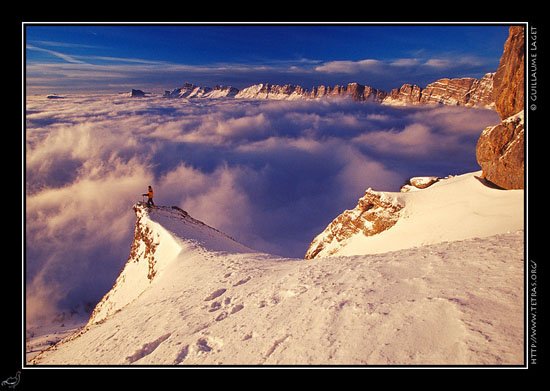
161, 234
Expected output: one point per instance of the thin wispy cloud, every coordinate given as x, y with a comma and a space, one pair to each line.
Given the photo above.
124, 60
63, 56
438, 63
65, 44
457, 61
78, 58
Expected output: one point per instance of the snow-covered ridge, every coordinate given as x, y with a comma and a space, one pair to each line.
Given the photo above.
161, 233
450, 209
189, 90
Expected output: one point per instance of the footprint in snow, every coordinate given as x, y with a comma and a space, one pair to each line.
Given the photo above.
182, 355
147, 349
216, 293
221, 316
243, 281
202, 346
237, 308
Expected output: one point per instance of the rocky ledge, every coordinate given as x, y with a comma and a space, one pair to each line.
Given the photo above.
374, 213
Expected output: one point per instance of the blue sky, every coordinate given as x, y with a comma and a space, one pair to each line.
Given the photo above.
116, 58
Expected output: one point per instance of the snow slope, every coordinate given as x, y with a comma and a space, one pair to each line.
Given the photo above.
455, 208
215, 302
41, 338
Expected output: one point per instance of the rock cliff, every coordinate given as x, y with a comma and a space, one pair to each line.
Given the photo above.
355, 91
509, 79
466, 91
457, 92
500, 148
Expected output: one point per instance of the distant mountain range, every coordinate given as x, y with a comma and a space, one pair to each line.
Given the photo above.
466, 91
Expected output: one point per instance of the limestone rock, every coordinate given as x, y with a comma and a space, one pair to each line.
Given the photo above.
422, 182
465, 91
375, 212
508, 83
405, 95
500, 148
500, 152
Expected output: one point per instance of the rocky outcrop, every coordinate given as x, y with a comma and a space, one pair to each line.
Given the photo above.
422, 182
500, 148
375, 213
460, 92
354, 91
481, 93
509, 79
465, 91
419, 183
189, 91
137, 93
407, 94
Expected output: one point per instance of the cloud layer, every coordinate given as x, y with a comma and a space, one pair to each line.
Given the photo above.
271, 174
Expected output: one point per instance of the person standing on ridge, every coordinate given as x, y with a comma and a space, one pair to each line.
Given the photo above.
149, 195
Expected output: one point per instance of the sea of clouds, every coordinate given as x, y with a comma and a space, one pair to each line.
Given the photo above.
271, 174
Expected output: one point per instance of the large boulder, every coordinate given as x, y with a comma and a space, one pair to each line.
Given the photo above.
500, 152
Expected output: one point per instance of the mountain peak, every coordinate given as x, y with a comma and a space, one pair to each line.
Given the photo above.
464, 91
189, 90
